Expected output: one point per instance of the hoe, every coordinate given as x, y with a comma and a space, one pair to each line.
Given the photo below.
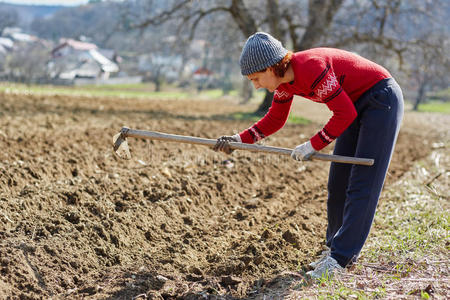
120, 145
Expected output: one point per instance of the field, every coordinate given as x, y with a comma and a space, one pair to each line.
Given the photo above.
176, 221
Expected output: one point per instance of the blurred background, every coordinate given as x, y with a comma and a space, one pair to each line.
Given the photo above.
193, 46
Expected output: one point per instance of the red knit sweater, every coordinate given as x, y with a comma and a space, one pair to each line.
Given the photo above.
334, 77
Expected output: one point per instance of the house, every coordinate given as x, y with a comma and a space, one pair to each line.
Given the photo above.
17, 52
16, 35
6, 45
73, 59
155, 64
13, 37
203, 77
202, 73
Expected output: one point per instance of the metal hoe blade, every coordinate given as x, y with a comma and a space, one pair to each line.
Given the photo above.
120, 146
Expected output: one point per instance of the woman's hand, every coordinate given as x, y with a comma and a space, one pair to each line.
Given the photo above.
303, 152
223, 143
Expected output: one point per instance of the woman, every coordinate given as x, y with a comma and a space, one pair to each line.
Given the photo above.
367, 106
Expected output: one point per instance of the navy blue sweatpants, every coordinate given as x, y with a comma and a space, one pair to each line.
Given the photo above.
353, 190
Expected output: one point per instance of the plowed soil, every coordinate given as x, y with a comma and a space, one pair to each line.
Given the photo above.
175, 221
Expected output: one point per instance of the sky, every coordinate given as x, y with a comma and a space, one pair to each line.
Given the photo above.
47, 2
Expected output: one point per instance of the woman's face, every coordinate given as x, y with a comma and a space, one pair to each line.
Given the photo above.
267, 80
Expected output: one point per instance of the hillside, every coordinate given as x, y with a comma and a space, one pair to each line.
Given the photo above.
28, 13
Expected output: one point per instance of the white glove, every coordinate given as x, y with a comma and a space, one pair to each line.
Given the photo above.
237, 137
303, 152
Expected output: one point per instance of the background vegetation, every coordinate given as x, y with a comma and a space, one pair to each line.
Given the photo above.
409, 37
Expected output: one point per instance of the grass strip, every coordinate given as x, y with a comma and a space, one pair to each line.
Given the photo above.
140, 90
250, 116
406, 255
435, 106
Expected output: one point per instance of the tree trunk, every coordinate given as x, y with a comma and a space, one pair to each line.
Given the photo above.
157, 85
158, 80
276, 31
247, 91
321, 13
320, 16
265, 105
274, 18
420, 95
243, 18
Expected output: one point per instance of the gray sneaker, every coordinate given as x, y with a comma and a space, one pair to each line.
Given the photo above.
322, 256
326, 268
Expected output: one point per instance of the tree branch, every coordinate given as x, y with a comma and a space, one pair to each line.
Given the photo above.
398, 47
161, 18
292, 28
321, 13
274, 19
243, 18
201, 15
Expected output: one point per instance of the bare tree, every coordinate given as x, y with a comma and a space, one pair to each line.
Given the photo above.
249, 18
406, 36
371, 25
429, 65
27, 63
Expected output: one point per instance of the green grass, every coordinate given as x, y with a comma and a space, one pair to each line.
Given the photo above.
139, 90
297, 120
249, 116
122, 91
440, 95
124, 86
406, 254
435, 106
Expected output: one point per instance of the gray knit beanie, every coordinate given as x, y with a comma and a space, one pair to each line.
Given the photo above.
261, 50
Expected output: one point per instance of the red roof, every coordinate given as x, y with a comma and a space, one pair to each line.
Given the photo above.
77, 45
80, 45
203, 71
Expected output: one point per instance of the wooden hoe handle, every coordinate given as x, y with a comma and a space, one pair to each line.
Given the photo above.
153, 135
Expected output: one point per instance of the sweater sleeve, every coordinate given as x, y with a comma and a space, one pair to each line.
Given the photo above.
324, 88
273, 121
